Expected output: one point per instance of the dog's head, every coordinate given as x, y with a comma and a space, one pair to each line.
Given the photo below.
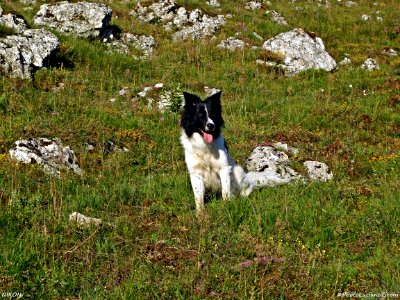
203, 117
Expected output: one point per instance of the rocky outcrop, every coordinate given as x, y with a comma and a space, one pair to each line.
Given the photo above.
300, 51
21, 55
273, 162
50, 154
183, 23
83, 19
14, 22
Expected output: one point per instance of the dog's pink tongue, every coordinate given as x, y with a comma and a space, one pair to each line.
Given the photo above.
208, 137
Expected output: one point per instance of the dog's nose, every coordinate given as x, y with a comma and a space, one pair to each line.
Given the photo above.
210, 126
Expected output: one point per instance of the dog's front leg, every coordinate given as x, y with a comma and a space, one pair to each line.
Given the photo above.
226, 186
198, 187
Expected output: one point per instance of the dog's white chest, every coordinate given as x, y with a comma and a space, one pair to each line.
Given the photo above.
206, 160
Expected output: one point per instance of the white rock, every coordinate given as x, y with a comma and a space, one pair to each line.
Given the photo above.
345, 61
186, 24
276, 17
284, 147
270, 64
50, 154
214, 3
14, 22
144, 43
123, 92
350, 3
163, 100
318, 171
300, 52
365, 17
210, 91
84, 221
231, 43
195, 15
370, 65
84, 19
205, 28
21, 55
181, 17
390, 52
273, 162
253, 5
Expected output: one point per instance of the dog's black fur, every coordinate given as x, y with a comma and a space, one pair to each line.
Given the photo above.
194, 116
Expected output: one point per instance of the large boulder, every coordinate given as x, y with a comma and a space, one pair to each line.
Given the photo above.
52, 155
21, 55
184, 23
300, 51
83, 19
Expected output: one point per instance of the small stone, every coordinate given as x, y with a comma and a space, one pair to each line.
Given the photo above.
253, 5
123, 92
89, 148
370, 65
318, 171
365, 17
390, 52
350, 3
214, 3
276, 17
231, 44
84, 221
210, 91
345, 61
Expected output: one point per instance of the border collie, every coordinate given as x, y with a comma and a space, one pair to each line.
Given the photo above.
206, 154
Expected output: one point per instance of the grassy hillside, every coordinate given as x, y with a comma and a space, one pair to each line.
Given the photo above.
310, 241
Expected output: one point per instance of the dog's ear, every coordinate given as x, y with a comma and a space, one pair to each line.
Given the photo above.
190, 99
215, 97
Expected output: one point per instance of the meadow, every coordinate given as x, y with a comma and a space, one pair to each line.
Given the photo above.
300, 241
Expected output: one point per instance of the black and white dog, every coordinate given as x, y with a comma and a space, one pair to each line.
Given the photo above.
206, 155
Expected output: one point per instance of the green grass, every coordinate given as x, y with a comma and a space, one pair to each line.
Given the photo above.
311, 241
